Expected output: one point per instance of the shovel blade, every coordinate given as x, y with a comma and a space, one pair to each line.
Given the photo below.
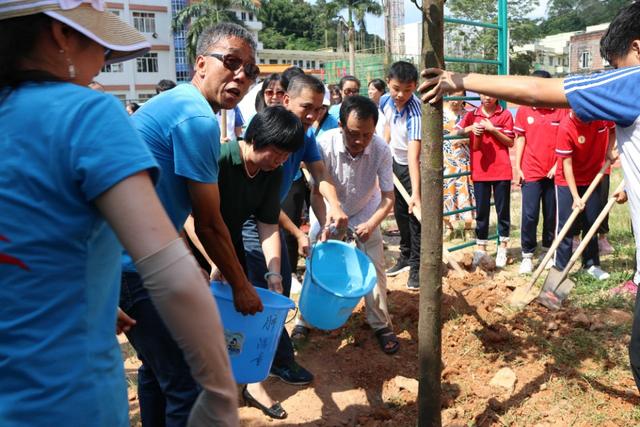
522, 296
553, 279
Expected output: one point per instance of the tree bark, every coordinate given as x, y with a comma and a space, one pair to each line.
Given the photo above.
352, 45
430, 323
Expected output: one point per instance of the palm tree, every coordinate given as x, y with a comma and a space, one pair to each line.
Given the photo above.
357, 8
200, 15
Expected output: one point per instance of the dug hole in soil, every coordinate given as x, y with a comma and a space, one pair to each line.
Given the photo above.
498, 368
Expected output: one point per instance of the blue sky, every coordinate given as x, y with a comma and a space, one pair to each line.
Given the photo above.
412, 14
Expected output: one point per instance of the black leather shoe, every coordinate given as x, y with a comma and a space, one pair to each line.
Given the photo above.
276, 411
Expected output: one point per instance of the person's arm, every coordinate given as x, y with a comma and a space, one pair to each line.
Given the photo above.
612, 151
335, 215
387, 133
303, 240
567, 167
501, 137
521, 90
364, 230
413, 156
521, 142
269, 235
178, 291
216, 240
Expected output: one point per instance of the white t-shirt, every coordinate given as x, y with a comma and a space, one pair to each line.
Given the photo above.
405, 125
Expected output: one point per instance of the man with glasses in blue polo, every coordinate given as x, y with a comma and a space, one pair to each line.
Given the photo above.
182, 132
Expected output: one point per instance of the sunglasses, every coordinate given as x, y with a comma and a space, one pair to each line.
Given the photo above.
271, 92
233, 63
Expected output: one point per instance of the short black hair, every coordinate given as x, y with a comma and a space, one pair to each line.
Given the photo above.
165, 84
362, 106
349, 79
378, 84
259, 103
210, 36
541, 73
622, 31
404, 72
288, 74
275, 126
304, 81
134, 106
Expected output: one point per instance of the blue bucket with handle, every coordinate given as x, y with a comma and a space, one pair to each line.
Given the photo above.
337, 276
251, 340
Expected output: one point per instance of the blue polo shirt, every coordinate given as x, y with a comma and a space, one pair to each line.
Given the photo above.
62, 147
308, 153
182, 132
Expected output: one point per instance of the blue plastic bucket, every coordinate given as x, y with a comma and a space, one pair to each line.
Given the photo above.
337, 276
251, 340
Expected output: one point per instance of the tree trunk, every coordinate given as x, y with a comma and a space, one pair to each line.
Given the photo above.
352, 47
430, 324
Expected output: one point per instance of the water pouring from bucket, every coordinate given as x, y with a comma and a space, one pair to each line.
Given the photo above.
337, 276
251, 340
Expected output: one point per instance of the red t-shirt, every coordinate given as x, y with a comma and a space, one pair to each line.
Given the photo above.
586, 143
490, 161
540, 127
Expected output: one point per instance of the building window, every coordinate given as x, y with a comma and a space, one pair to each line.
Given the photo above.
144, 22
273, 61
585, 59
313, 64
250, 16
308, 64
121, 97
243, 16
148, 63
143, 97
113, 68
114, 11
261, 60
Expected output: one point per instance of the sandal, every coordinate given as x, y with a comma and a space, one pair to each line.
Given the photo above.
386, 336
300, 333
276, 411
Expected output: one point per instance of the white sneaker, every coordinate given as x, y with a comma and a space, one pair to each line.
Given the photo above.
526, 266
296, 286
501, 257
477, 257
598, 273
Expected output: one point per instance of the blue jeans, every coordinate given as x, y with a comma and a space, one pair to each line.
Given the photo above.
166, 390
256, 268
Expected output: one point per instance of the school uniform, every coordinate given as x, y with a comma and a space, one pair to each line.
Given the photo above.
405, 126
586, 144
539, 127
490, 171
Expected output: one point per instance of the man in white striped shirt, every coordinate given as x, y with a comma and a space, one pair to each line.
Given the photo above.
613, 95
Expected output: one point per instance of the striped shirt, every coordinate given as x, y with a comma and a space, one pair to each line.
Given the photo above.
405, 125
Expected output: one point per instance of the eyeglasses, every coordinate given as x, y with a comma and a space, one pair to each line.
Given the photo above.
276, 93
233, 63
351, 91
107, 54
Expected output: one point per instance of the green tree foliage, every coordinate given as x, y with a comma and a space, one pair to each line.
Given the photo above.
200, 15
571, 15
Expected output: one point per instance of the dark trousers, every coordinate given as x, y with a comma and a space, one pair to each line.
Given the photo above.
588, 216
292, 206
634, 344
502, 198
408, 225
166, 390
256, 268
535, 193
603, 190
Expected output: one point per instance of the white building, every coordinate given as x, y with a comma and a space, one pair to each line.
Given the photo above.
136, 79
550, 53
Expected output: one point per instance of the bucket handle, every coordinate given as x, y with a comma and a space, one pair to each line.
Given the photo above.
295, 314
350, 236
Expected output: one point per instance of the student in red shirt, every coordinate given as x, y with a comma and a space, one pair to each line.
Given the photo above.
536, 130
581, 148
490, 130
